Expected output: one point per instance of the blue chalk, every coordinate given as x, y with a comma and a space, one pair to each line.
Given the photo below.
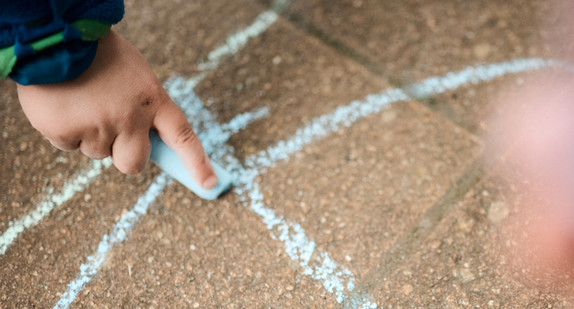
167, 160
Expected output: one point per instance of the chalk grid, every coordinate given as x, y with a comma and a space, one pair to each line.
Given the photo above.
335, 278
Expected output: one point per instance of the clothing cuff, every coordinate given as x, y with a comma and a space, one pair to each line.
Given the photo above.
59, 47
55, 58
57, 64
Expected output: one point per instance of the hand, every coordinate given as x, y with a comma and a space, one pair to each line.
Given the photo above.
109, 111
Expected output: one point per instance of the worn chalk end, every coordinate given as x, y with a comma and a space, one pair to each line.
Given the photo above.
167, 160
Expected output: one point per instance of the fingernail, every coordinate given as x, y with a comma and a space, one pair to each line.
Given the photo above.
210, 182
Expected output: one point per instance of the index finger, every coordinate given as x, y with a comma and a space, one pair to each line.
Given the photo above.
177, 133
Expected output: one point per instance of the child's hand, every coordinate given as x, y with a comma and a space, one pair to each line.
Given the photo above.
110, 109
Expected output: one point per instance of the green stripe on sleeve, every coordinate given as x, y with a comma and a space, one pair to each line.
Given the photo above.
7, 61
48, 41
91, 29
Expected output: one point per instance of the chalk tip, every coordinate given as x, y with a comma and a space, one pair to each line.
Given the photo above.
166, 159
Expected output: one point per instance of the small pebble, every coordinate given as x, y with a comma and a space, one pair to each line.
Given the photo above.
481, 51
497, 212
407, 289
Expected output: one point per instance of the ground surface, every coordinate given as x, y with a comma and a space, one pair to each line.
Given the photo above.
391, 208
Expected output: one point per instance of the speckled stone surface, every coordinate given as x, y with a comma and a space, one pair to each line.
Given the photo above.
399, 198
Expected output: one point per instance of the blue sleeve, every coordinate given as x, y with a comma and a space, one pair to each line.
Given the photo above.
46, 46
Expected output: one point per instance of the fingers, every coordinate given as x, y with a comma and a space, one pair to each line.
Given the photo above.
130, 152
178, 134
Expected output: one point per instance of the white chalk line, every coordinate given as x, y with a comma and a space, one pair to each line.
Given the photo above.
50, 202
117, 235
235, 42
344, 116
85, 177
336, 279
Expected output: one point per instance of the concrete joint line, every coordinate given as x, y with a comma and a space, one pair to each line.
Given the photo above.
427, 222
